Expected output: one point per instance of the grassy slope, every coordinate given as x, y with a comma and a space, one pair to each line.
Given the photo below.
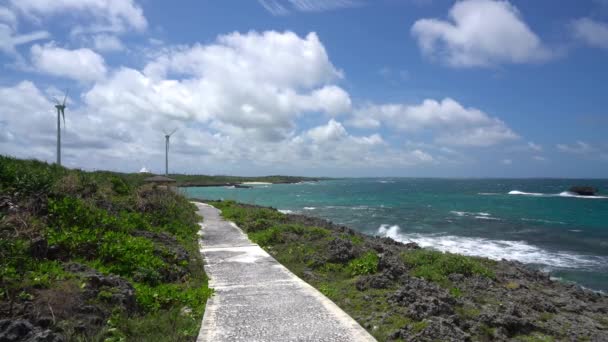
126, 255
367, 276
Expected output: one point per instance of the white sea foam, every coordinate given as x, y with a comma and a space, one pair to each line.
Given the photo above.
488, 193
494, 249
521, 193
285, 211
541, 220
309, 208
486, 218
570, 194
480, 216
561, 194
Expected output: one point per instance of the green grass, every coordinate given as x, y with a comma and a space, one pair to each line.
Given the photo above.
467, 312
535, 337
366, 264
437, 266
96, 219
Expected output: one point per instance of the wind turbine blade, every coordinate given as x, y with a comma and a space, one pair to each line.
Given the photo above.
66, 96
55, 99
63, 115
173, 131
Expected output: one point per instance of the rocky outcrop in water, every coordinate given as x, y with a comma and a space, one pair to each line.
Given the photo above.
584, 190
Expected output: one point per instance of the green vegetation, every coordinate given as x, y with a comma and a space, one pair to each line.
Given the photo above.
360, 273
535, 337
437, 266
366, 264
90, 237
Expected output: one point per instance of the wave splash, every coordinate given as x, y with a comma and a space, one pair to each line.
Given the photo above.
561, 194
494, 249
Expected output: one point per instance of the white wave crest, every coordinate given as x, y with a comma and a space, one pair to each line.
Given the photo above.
480, 216
494, 249
561, 194
285, 211
309, 208
571, 194
542, 221
521, 193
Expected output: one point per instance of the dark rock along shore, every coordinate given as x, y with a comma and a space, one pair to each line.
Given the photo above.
517, 302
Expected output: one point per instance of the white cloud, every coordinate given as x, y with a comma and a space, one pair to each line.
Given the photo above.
254, 83
585, 150
591, 32
284, 7
534, 147
450, 122
331, 132
480, 33
103, 15
106, 43
9, 37
506, 161
80, 64
539, 158
7, 16
580, 147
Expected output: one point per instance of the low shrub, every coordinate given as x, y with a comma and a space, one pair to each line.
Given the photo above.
366, 264
437, 266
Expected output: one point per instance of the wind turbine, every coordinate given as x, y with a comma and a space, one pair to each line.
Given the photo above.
167, 136
60, 113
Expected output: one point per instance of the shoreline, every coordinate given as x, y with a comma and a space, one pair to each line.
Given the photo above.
402, 291
248, 184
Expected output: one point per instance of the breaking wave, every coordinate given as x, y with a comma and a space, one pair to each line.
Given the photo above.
561, 194
494, 249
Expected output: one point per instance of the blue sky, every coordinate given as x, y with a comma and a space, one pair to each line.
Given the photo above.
472, 88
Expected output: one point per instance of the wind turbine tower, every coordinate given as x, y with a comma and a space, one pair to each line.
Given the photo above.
60, 113
167, 137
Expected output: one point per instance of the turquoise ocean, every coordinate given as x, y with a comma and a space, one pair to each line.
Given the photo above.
534, 221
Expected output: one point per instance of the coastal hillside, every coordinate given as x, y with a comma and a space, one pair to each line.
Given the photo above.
96, 257
401, 292
183, 180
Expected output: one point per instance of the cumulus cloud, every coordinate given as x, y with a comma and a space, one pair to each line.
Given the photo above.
592, 32
479, 33
107, 43
244, 102
451, 123
103, 15
81, 64
256, 83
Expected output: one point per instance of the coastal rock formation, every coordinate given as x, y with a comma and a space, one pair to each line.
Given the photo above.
416, 294
22, 330
584, 190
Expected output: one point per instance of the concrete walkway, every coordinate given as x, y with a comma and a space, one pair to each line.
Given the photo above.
258, 299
